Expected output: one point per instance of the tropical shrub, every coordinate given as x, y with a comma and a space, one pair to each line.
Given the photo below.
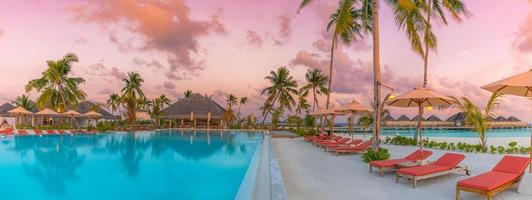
371, 155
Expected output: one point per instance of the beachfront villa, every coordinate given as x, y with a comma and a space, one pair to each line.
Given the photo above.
266, 100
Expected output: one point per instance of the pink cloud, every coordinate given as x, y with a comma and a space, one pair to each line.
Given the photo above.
109, 74
162, 26
523, 42
254, 39
152, 64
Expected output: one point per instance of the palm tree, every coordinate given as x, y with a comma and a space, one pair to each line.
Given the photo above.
316, 82
156, 110
302, 103
282, 90
368, 119
58, 91
478, 118
130, 92
243, 101
144, 103
24, 102
164, 101
188, 93
113, 102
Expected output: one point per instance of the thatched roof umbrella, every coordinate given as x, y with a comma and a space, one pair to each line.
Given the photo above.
420, 97
47, 112
518, 85
333, 113
92, 115
353, 108
18, 111
403, 118
434, 118
71, 114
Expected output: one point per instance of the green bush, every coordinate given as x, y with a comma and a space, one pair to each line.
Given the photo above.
303, 132
371, 155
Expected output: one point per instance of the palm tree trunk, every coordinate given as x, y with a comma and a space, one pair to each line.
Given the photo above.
376, 76
266, 115
315, 100
426, 56
329, 86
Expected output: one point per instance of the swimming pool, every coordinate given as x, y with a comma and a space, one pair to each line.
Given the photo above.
169, 164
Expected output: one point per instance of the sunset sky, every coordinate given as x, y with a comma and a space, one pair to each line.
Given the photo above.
216, 47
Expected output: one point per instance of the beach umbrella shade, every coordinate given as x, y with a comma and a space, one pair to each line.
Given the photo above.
71, 114
333, 113
19, 111
420, 97
47, 112
92, 115
317, 113
353, 108
518, 85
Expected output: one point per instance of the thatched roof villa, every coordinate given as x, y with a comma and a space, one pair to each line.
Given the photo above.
196, 110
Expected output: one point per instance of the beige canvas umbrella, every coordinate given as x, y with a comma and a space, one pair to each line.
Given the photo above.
518, 85
420, 97
18, 111
353, 108
318, 113
333, 113
92, 115
71, 114
47, 112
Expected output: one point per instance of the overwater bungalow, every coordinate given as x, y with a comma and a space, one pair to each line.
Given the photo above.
194, 111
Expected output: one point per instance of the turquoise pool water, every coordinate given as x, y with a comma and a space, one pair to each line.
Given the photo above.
144, 165
521, 132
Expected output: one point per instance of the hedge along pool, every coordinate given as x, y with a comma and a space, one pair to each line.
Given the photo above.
165, 164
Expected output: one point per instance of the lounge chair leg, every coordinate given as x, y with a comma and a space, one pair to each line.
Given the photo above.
489, 195
415, 182
457, 193
382, 172
396, 178
370, 169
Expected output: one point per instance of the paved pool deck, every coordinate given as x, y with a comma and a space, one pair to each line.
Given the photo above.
311, 173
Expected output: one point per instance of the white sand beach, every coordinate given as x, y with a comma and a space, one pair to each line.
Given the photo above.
311, 173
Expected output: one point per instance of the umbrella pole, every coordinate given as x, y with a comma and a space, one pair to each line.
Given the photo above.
420, 127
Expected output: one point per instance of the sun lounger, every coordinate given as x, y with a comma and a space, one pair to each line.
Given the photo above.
309, 138
340, 141
393, 163
505, 174
446, 164
352, 143
61, 132
93, 131
7, 131
37, 132
334, 138
354, 149
74, 131
22, 132
51, 132
83, 131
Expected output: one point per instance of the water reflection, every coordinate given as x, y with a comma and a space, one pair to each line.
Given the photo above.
55, 161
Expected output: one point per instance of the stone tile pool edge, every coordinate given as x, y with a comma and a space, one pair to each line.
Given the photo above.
263, 179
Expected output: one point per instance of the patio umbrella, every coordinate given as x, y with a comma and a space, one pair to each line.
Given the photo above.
47, 112
420, 97
92, 114
71, 114
518, 85
19, 111
333, 113
317, 113
353, 108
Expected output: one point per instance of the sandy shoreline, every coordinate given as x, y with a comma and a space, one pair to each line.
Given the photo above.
311, 173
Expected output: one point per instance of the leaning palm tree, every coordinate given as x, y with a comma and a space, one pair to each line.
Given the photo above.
479, 118
317, 83
282, 90
302, 103
58, 90
24, 102
155, 110
130, 93
188, 93
113, 102
243, 101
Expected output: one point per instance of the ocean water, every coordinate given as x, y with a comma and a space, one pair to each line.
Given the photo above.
144, 165
518, 132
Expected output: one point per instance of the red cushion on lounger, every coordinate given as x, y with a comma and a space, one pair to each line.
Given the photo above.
449, 160
422, 170
417, 155
488, 181
387, 163
512, 165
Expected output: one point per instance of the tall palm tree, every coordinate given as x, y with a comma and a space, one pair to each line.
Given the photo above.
164, 100
58, 90
243, 101
155, 110
478, 118
317, 83
282, 90
144, 103
130, 93
113, 102
24, 102
188, 93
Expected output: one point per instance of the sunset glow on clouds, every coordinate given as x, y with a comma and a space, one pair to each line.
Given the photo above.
227, 46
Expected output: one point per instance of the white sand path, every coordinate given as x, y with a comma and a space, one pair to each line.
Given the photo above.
311, 173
